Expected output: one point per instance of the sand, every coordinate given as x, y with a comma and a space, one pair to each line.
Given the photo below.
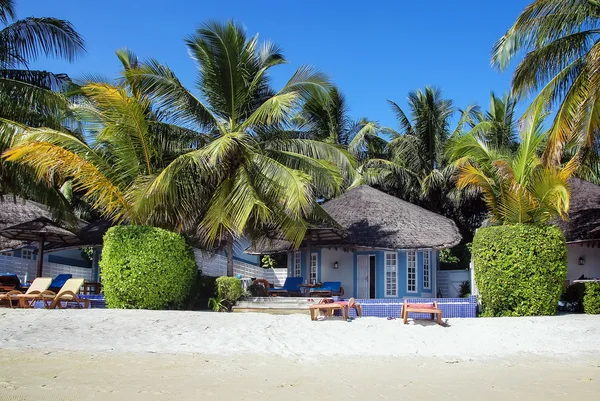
130, 355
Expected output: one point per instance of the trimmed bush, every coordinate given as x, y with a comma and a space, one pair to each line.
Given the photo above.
229, 290
520, 269
146, 268
591, 299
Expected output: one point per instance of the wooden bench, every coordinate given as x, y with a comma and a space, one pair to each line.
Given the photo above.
421, 308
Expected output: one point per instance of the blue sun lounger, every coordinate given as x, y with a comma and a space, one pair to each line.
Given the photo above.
59, 281
328, 289
291, 286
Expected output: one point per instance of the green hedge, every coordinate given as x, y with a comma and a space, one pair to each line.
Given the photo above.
229, 290
591, 299
519, 269
146, 268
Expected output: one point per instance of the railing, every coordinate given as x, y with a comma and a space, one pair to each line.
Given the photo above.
216, 265
26, 269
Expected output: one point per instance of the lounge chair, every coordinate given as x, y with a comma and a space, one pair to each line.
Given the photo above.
351, 304
328, 307
32, 294
328, 289
291, 286
9, 282
68, 293
431, 308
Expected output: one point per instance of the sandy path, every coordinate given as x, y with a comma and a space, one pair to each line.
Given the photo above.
83, 376
131, 355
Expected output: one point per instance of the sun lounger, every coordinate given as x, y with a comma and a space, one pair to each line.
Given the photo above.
32, 294
328, 307
431, 308
351, 304
328, 289
291, 286
67, 294
9, 282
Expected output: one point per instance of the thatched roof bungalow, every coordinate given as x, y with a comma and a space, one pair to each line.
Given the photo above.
379, 246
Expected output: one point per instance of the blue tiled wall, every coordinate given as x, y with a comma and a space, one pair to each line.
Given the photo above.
450, 307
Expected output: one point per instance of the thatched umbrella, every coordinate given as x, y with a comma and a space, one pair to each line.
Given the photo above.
42, 230
15, 210
373, 219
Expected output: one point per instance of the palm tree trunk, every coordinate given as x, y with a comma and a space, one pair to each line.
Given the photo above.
229, 250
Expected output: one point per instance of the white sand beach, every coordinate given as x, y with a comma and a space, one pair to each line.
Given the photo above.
119, 354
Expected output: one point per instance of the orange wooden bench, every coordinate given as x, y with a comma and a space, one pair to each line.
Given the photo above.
422, 308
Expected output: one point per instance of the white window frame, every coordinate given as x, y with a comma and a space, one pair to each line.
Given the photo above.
385, 274
408, 267
313, 271
297, 264
427, 270
29, 252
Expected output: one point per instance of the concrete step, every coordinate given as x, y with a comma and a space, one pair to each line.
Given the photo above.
273, 311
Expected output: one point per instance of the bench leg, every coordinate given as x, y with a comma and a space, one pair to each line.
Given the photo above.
439, 318
405, 313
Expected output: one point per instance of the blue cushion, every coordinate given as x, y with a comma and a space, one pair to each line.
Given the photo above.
330, 286
291, 284
60, 280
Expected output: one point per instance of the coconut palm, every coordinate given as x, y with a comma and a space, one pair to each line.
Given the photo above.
498, 125
561, 42
519, 187
28, 97
237, 180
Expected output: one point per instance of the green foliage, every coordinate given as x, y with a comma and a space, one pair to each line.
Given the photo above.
520, 269
268, 262
146, 268
447, 257
229, 290
591, 299
217, 304
465, 289
517, 187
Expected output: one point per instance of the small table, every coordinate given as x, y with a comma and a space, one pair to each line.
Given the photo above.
308, 287
91, 288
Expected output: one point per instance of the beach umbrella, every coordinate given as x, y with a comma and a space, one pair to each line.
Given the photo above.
42, 230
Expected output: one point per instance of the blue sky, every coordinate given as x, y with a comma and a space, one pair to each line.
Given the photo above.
373, 51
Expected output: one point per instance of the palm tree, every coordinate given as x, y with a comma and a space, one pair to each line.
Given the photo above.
497, 126
28, 97
517, 188
237, 180
561, 43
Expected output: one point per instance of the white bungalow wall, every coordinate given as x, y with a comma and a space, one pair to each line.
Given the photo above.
345, 271
591, 268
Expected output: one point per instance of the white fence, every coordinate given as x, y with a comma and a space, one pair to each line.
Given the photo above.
449, 282
27, 269
216, 265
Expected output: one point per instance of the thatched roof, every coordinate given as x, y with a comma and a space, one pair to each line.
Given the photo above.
15, 210
584, 214
374, 219
38, 229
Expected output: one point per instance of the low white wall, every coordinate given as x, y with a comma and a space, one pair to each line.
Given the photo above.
216, 265
449, 281
25, 268
345, 272
591, 268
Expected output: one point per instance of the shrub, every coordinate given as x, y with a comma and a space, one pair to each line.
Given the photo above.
146, 268
465, 289
229, 290
519, 269
591, 299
